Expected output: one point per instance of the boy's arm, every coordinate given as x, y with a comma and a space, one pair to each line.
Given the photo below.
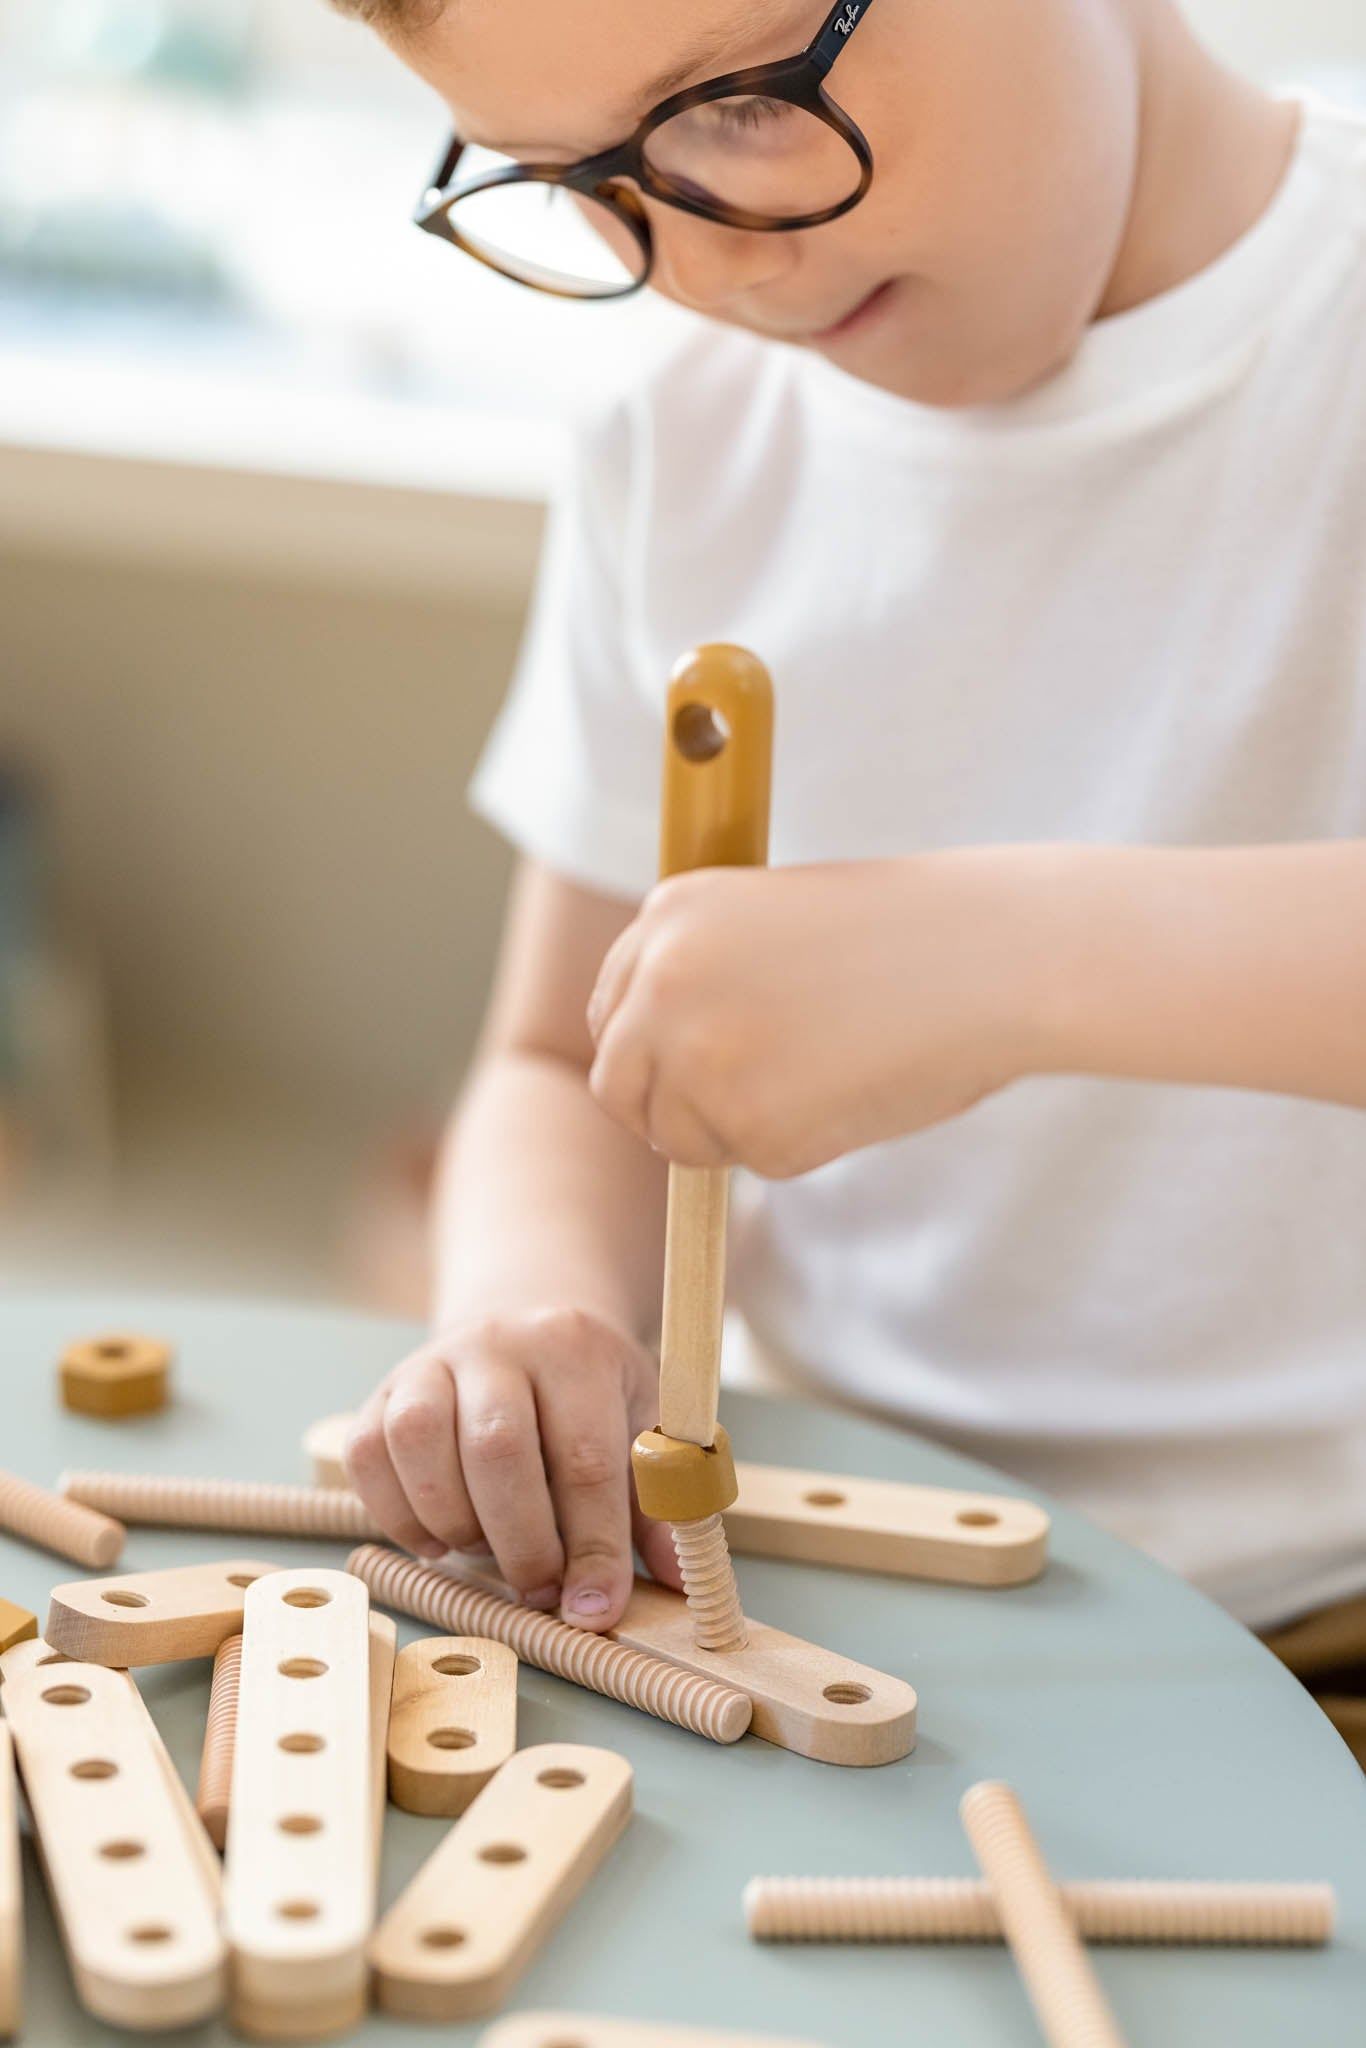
1242, 967
512, 1425
778, 1019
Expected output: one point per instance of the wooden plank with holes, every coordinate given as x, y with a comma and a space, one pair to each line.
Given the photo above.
11, 1894
806, 1699
881, 1525
133, 1899
453, 1944
300, 1876
454, 1721
383, 1661
579, 2030
144, 1618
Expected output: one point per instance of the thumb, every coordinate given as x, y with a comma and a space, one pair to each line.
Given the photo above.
654, 1541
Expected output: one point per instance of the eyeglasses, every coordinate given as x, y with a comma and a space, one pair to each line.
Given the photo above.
765, 149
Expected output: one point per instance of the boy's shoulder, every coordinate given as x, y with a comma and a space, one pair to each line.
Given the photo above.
698, 388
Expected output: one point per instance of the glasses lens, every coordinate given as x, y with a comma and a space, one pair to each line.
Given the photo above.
546, 235
758, 155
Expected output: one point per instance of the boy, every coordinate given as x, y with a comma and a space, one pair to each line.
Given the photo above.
1024, 437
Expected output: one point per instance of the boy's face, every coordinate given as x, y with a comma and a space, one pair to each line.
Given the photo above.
1003, 132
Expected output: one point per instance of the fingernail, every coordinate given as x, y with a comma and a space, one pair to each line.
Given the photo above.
431, 1548
544, 1596
586, 1601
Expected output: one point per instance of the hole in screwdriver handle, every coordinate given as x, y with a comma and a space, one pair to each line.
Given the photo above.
718, 745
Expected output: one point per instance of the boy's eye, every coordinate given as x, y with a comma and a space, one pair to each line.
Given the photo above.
747, 111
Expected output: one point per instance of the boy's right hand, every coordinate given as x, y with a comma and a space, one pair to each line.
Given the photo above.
513, 1434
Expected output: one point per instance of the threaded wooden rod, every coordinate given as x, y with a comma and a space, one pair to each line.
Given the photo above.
1182, 1912
648, 1683
1054, 1967
253, 1507
44, 1518
709, 1584
220, 1734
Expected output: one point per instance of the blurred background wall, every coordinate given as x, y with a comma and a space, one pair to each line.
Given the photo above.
272, 477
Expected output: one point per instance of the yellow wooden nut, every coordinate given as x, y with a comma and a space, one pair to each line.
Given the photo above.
121, 1374
681, 1482
17, 1625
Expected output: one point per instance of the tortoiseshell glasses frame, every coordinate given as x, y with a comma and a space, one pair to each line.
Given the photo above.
799, 80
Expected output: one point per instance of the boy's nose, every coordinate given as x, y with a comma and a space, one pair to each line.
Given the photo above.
711, 267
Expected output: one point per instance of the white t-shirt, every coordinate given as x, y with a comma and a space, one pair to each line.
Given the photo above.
1129, 607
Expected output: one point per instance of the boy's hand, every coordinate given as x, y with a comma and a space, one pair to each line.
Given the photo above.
776, 1018
514, 1434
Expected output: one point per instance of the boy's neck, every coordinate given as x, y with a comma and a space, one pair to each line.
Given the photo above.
1213, 149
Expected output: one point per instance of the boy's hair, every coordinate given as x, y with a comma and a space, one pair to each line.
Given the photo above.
392, 14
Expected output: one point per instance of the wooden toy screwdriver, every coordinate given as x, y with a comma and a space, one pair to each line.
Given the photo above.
718, 748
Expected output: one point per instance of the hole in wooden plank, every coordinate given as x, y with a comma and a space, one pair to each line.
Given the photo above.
300, 1824
457, 1665
149, 1931
66, 1695
977, 1518
243, 1578
847, 1695
825, 1500
306, 1596
94, 1767
452, 1738
502, 1852
121, 1599
298, 1909
699, 733
302, 1667
122, 1852
442, 1937
302, 1744
560, 1778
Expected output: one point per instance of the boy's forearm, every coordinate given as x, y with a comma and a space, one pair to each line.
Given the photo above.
543, 1202
1241, 967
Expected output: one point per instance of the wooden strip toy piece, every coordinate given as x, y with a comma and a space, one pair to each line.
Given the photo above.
325, 1448
249, 1507
453, 1722
576, 2030
152, 1617
17, 1625
1063, 1989
882, 1525
1174, 1913
116, 1375
300, 1875
703, 1705
11, 1895
133, 1900
220, 1729
453, 1944
383, 1658
45, 1519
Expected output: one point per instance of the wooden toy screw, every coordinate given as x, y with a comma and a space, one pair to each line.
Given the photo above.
239, 1504
1183, 1912
44, 1518
596, 1662
718, 751
1053, 1964
220, 1731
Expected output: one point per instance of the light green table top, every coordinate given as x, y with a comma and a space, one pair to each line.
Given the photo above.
1147, 1733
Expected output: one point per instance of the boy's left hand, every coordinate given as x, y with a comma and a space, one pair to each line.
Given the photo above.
776, 1018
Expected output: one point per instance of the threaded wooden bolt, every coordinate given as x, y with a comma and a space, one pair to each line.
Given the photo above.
709, 1584
1063, 1988
596, 1662
220, 1735
44, 1518
251, 1506
1180, 1913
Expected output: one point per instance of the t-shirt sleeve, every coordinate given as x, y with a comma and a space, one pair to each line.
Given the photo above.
570, 771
